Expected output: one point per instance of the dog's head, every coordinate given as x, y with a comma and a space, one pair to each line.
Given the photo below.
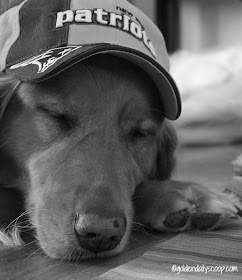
84, 141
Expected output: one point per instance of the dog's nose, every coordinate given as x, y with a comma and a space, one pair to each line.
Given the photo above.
97, 233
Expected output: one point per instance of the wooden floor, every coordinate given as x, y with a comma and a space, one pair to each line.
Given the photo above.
210, 166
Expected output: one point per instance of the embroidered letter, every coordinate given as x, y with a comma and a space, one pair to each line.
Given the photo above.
63, 17
136, 30
83, 16
113, 19
100, 13
126, 23
148, 43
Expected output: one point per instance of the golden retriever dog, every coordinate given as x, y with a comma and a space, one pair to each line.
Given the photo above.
87, 153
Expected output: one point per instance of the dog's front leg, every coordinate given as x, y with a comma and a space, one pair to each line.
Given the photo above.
175, 206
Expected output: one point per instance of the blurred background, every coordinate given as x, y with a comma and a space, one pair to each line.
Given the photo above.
204, 40
196, 24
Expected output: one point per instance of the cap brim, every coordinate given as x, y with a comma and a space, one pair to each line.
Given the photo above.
166, 86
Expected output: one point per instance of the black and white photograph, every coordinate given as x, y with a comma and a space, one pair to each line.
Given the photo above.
120, 139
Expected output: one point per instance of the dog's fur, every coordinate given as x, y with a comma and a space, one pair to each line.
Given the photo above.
88, 148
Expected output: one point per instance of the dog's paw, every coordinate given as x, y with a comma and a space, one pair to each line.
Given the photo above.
179, 206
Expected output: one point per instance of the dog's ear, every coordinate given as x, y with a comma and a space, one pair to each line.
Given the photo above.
167, 143
8, 88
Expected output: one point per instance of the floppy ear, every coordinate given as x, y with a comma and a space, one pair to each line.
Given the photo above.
165, 162
8, 88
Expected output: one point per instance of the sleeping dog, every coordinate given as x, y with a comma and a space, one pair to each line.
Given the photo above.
85, 134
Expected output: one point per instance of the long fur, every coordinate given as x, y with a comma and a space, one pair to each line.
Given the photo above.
8, 88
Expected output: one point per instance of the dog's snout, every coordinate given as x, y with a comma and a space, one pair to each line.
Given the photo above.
99, 234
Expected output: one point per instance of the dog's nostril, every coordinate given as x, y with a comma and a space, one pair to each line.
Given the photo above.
92, 235
89, 235
115, 238
99, 234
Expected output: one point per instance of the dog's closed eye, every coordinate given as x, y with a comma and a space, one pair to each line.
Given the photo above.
52, 124
145, 130
139, 134
65, 121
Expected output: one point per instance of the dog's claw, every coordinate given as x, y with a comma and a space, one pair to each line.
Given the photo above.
177, 219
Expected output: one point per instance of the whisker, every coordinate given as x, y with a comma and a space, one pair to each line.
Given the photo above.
29, 243
16, 220
149, 234
37, 250
142, 225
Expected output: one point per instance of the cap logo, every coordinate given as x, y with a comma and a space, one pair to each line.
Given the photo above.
102, 17
47, 59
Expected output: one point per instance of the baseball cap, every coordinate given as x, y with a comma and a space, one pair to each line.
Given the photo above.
41, 38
